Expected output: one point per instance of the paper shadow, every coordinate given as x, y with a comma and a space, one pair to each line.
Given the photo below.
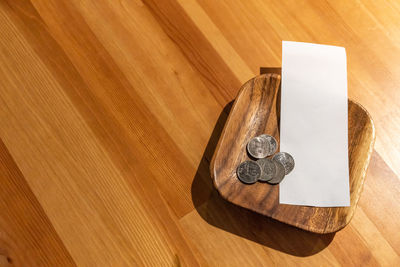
239, 221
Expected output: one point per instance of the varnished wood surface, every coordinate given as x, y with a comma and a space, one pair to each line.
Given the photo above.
110, 112
256, 111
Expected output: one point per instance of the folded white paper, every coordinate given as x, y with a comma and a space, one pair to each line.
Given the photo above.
313, 127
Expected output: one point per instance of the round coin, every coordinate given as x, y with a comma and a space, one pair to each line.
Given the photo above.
286, 159
273, 144
248, 172
258, 147
279, 173
268, 169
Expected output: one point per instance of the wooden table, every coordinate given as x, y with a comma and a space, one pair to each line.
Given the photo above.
111, 110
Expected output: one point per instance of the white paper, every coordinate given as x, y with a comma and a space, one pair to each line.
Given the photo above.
314, 125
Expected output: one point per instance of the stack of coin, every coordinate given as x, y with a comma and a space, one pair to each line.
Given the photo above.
265, 169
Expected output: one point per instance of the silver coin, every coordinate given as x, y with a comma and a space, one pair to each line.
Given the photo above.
268, 169
279, 173
272, 143
248, 172
258, 147
286, 159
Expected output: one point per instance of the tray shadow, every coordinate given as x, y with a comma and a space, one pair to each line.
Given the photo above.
242, 222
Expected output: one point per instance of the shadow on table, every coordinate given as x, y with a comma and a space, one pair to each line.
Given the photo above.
239, 221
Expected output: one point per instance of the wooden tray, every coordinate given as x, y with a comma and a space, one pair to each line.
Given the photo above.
256, 111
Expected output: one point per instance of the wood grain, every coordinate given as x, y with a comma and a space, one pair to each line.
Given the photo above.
110, 112
26, 226
257, 111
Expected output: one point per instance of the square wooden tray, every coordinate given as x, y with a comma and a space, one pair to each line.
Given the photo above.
256, 111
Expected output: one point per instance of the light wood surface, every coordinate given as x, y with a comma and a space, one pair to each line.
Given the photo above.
256, 111
111, 110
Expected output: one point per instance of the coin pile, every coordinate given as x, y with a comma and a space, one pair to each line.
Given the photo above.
265, 169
